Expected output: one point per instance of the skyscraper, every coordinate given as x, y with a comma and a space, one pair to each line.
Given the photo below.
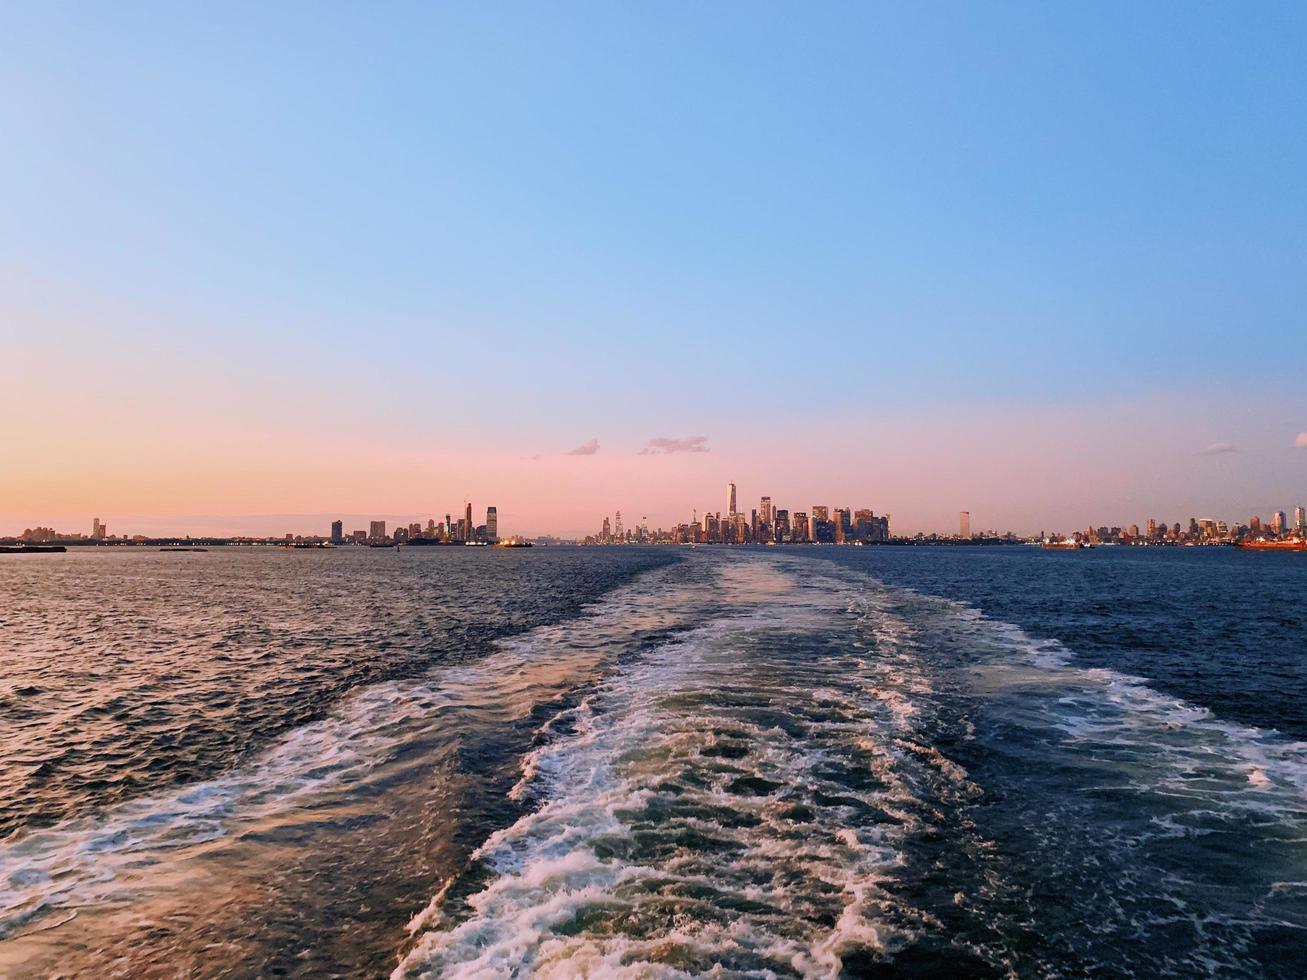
377, 531
492, 524
730, 499
97, 529
337, 532
764, 510
468, 526
800, 529
1300, 518
1279, 521
781, 529
819, 525
964, 524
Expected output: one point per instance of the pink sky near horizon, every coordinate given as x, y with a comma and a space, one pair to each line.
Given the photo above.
1015, 468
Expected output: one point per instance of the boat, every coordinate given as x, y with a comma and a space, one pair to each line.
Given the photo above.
1261, 544
32, 549
1064, 545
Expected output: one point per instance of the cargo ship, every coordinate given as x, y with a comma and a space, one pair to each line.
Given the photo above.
32, 549
1290, 544
1064, 545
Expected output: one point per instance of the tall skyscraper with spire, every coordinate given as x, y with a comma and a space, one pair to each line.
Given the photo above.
730, 500
469, 529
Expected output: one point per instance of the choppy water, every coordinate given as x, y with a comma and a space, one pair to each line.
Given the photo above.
744, 762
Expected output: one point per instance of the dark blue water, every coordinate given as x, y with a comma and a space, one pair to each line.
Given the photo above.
1219, 627
729, 762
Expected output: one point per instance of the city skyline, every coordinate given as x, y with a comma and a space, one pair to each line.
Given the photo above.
767, 522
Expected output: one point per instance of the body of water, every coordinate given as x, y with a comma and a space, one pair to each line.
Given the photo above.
780, 762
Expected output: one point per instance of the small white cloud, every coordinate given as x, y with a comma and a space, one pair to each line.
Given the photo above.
662, 445
1218, 449
589, 449
1301, 441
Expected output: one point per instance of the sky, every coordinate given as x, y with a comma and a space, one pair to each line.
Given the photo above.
265, 264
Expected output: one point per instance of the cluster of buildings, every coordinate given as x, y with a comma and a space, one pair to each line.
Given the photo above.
450, 531
45, 535
1204, 530
461, 531
764, 524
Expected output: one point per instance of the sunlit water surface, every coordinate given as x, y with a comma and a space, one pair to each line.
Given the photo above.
651, 763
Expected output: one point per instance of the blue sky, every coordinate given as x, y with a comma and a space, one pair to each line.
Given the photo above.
725, 219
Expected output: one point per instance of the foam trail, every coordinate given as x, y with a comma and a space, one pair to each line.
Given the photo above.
830, 774
722, 803
107, 856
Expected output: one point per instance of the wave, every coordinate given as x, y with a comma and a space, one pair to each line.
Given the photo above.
125, 851
736, 800
786, 791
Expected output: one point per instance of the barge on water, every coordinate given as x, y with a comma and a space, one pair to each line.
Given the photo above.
1260, 544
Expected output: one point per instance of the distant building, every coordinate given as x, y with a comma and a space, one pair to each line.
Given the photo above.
964, 524
337, 532
781, 526
1279, 521
799, 529
377, 531
492, 524
764, 510
730, 500
843, 525
1300, 518
98, 530
468, 526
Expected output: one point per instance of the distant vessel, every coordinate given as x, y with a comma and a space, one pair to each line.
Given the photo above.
183, 549
515, 543
1064, 545
1292, 544
31, 549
